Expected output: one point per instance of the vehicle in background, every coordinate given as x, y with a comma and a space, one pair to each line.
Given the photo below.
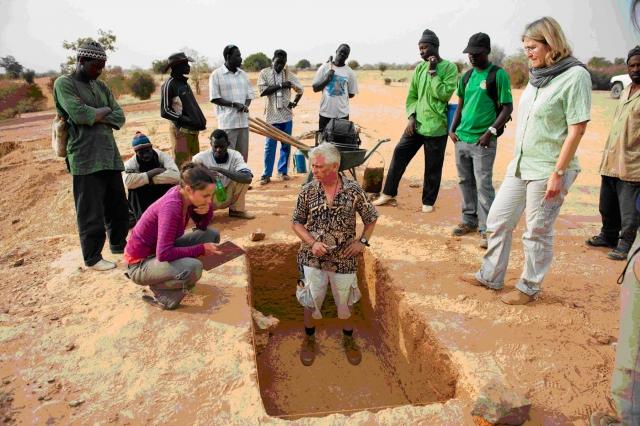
618, 83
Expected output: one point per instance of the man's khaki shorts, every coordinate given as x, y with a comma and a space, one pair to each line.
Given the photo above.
344, 288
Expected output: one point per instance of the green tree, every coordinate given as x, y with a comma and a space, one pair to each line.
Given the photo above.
497, 55
199, 67
28, 75
598, 62
159, 65
256, 62
353, 64
518, 69
383, 67
11, 66
141, 84
619, 61
106, 38
303, 64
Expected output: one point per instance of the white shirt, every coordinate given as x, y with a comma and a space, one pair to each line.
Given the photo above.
233, 87
134, 179
235, 163
335, 95
273, 112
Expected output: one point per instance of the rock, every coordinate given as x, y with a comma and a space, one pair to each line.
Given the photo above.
6, 381
51, 379
263, 322
70, 347
498, 403
602, 338
76, 403
258, 235
14, 221
18, 262
414, 185
462, 297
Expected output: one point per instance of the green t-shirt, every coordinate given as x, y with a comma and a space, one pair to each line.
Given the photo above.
478, 110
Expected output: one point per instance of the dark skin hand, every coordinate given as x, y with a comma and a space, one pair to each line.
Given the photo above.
86, 71
320, 86
233, 62
219, 148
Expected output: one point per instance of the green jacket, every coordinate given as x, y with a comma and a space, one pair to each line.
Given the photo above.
429, 95
91, 146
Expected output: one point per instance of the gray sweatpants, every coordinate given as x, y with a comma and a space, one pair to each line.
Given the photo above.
514, 197
625, 381
239, 140
170, 281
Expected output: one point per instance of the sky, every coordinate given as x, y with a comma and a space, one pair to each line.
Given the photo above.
33, 30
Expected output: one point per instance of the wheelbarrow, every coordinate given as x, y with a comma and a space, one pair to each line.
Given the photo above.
349, 158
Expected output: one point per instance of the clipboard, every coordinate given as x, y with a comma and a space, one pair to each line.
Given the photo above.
229, 252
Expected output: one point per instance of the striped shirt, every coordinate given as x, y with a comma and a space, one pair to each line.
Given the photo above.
233, 87
273, 112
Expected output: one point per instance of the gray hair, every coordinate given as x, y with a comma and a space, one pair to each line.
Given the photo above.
328, 151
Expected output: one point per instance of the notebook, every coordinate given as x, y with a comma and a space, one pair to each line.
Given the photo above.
229, 252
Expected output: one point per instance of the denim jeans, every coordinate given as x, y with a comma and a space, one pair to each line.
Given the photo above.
514, 197
475, 174
620, 218
171, 280
270, 151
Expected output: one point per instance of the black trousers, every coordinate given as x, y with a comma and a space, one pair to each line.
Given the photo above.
434, 148
322, 123
141, 198
101, 204
620, 219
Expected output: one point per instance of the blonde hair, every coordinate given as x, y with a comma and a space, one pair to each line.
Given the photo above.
547, 30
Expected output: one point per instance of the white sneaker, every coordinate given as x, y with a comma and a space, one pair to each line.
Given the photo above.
103, 265
383, 199
426, 208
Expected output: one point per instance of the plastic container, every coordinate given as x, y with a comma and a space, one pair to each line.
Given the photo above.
221, 192
451, 112
300, 162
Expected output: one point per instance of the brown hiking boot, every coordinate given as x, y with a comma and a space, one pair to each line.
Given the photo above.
308, 350
516, 297
463, 229
470, 278
351, 349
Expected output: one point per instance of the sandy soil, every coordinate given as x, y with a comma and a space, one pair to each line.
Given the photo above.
73, 336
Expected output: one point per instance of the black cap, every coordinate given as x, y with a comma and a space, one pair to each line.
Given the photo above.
429, 37
478, 43
177, 58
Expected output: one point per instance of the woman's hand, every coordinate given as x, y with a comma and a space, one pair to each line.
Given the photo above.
204, 209
319, 249
211, 248
554, 186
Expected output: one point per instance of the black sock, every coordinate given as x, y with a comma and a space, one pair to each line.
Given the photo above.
347, 332
310, 331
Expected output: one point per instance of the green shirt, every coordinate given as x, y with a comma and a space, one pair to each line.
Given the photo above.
478, 109
428, 97
544, 116
91, 146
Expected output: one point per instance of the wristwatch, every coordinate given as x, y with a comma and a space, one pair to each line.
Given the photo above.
364, 241
559, 172
493, 131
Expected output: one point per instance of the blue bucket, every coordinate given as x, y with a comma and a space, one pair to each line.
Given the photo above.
299, 162
451, 111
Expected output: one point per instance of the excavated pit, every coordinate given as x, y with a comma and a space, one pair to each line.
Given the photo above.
402, 364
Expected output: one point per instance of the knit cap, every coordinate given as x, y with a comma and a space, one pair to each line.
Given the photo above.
140, 141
